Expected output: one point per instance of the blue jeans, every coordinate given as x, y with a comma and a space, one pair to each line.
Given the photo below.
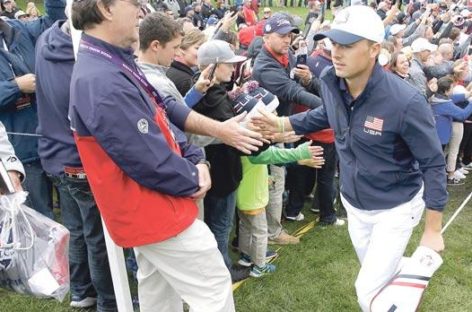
219, 214
90, 274
39, 188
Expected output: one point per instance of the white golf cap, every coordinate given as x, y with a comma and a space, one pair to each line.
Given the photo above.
422, 44
217, 51
396, 28
353, 24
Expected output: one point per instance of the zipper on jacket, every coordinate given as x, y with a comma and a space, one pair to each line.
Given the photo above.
356, 169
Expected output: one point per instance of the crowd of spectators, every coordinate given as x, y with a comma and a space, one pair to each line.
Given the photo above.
209, 64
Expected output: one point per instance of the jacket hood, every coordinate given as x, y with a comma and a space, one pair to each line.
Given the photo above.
58, 47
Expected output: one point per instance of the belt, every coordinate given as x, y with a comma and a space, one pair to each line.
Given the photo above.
75, 172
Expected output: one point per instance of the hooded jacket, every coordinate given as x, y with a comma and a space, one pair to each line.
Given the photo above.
18, 110
54, 64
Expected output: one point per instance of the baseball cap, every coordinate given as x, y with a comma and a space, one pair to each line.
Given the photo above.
422, 44
353, 24
212, 20
396, 28
20, 14
278, 23
217, 51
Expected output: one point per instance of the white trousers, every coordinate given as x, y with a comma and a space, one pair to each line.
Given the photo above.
453, 145
186, 267
380, 238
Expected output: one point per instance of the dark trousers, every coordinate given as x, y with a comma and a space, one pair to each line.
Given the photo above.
466, 144
300, 182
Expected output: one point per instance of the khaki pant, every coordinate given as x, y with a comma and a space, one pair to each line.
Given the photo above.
186, 267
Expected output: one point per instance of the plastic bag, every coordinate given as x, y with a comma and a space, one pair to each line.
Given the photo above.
33, 250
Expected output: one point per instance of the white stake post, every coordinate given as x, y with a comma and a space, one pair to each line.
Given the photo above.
115, 253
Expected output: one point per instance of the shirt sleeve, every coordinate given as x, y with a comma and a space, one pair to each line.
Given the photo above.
277, 81
275, 155
419, 133
309, 121
124, 126
9, 93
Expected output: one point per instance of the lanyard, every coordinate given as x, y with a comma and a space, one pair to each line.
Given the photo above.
138, 76
136, 72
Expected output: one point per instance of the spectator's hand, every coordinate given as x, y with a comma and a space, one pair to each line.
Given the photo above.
303, 73
286, 137
266, 123
446, 17
204, 181
203, 84
15, 179
26, 83
433, 85
315, 151
245, 140
313, 163
228, 21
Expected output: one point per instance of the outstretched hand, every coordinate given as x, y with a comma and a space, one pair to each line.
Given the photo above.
234, 134
266, 123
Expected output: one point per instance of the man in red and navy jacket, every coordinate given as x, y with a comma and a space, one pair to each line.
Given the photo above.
144, 176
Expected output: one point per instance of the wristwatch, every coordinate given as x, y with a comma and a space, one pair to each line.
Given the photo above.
206, 162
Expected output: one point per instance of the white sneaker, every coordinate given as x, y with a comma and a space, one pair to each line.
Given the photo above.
339, 222
299, 217
84, 303
468, 166
463, 171
459, 175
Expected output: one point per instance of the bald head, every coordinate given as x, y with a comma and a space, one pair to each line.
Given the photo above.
446, 50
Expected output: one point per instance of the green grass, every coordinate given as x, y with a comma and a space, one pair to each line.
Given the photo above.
319, 273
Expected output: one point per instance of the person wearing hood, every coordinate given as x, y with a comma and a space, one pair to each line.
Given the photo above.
445, 113
17, 99
90, 277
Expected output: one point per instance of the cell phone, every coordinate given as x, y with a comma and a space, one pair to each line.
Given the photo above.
301, 59
212, 72
233, 10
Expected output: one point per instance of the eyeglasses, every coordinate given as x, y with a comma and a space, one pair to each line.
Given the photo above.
136, 3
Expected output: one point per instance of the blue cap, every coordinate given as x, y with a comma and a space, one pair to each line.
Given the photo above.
212, 20
279, 24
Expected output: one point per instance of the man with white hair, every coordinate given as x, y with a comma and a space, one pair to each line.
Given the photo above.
421, 49
390, 158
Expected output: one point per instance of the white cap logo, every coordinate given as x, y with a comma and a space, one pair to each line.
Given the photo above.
143, 126
267, 28
341, 17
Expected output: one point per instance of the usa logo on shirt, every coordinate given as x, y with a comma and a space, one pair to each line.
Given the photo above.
373, 125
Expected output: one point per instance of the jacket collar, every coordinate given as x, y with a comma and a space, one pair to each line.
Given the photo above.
125, 54
282, 59
336, 83
181, 66
161, 69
